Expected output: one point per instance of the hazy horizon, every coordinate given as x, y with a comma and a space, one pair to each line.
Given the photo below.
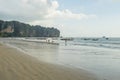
78, 18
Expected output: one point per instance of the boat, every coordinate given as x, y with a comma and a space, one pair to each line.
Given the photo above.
67, 39
96, 39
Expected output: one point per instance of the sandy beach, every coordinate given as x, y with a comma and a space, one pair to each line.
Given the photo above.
15, 65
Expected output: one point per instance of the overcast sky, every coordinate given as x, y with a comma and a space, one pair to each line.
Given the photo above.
75, 18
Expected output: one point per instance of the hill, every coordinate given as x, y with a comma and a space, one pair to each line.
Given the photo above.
18, 29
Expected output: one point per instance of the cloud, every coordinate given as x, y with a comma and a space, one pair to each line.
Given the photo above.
67, 14
36, 10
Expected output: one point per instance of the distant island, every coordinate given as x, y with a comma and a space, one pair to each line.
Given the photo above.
18, 29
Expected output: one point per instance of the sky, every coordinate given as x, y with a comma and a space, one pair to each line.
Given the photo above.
74, 18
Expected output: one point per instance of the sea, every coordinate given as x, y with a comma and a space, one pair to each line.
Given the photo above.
100, 56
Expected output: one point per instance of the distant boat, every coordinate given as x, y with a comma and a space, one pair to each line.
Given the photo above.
67, 39
105, 38
95, 39
86, 39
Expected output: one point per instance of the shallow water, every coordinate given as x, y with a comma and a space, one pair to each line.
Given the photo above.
101, 61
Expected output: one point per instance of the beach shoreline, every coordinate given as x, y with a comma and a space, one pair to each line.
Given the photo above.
15, 65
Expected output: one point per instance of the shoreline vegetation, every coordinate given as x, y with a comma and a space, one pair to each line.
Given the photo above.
15, 65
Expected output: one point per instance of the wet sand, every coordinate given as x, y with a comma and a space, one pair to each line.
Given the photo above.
15, 65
